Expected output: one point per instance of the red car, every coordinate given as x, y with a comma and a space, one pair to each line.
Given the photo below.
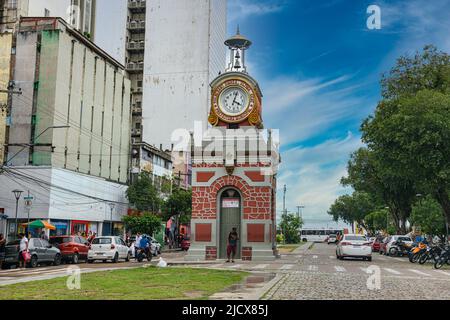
73, 248
383, 243
376, 244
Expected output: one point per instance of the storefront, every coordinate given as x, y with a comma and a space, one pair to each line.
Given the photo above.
118, 228
81, 227
62, 227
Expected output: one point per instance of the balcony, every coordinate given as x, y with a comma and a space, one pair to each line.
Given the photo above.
137, 111
136, 26
136, 46
135, 67
136, 6
136, 132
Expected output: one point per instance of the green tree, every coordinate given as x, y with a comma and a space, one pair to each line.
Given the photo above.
179, 203
143, 195
147, 223
427, 214
353, 208
290, 225
387, 188
429, 69
377, 220
409, 133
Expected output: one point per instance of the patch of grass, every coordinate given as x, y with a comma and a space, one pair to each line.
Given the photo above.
132, 284
287, 248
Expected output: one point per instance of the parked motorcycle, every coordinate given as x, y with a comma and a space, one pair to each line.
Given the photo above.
399, 249
416, 252
432, 253
443, 258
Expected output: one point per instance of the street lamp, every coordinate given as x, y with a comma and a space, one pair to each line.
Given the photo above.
387, 219
17, 194
34, 140
111, 206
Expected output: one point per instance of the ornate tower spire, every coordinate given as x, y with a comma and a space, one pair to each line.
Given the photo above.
237, 44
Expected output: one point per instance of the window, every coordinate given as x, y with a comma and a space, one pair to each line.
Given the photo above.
101, 241
60, 240
36, 243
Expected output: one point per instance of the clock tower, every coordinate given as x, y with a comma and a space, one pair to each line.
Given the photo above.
234, 168
236, 98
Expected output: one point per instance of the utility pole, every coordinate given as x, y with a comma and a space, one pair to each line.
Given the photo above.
299, 214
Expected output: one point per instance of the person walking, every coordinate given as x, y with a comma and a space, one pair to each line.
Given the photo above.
2, 249
233, 238
23, 249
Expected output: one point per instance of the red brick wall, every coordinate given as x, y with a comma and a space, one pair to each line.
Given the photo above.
247, 253
256, 200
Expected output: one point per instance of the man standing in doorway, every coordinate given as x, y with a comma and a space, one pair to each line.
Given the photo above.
232, 245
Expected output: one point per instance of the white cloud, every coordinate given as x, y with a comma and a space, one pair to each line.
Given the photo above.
312, 175
242, 9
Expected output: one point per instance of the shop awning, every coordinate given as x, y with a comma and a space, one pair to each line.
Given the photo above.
40, 224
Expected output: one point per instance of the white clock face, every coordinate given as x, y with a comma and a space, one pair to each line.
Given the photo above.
234, 101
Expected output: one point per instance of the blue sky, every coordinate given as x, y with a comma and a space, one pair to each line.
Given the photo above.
319, 67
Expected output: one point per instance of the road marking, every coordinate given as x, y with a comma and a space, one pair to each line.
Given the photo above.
392, 271
332, 257
260, 266
235, 266
315, 257
340, 269
363, 269
420, 273
287, 267
313, 268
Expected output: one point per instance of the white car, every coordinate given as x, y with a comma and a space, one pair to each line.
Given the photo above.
108, 248
332, 239
392, 239
355, 246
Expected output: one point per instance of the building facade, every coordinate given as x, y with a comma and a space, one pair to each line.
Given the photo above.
183, 53
72, 118
234, 169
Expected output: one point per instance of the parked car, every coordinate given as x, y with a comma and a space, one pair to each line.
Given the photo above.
383, 244
73, 248
41, 251
355, 246
376, 244
332, 238
108, 248
393, 239
156, 246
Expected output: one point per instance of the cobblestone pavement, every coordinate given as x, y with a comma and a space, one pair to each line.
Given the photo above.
314, 274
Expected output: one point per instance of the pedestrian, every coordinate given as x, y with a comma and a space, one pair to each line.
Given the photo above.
2, 249
23, 250
44, 235
232, 245
137, 243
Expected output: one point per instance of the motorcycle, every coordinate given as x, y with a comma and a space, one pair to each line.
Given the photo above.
399, 249
416, 252
433, 252
443, 258
142, 253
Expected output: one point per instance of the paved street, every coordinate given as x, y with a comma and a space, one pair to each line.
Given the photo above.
308, 273
317, 274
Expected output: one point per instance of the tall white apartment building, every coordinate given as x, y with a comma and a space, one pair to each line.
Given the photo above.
184, 52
